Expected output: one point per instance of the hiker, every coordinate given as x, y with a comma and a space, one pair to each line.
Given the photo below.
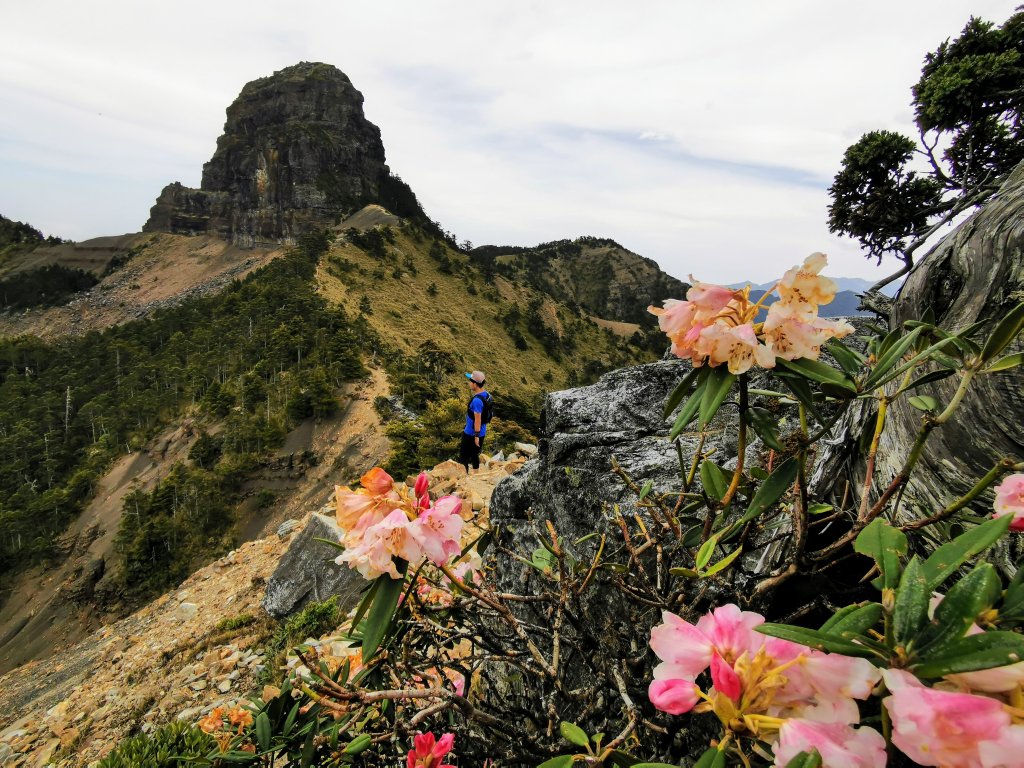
478, 415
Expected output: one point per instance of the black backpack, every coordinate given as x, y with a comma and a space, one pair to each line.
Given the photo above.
488, 412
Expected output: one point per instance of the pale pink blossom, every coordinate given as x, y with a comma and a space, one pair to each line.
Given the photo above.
940, 728
735, 345
1010, 500
371, 557
803, 284
839, 745
831, 674
731, 631
1005, 752
428, 751
682, 645
993, 680
709, 299
361, 508
794, 332
674, 696
437, 530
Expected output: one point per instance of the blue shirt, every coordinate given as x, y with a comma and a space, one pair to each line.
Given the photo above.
476, 405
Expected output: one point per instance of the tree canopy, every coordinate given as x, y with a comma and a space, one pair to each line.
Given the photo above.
968, 111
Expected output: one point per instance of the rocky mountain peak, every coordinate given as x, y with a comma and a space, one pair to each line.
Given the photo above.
297, 153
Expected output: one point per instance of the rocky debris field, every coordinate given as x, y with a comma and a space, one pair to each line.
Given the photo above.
193, 649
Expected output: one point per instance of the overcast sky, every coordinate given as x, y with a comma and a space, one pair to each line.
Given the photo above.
701, 134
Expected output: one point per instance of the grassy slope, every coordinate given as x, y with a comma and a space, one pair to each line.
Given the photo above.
406, 315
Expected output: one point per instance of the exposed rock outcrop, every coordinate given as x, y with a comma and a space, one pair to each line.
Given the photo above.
297, 153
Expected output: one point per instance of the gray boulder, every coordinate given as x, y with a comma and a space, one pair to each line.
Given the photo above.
307, 572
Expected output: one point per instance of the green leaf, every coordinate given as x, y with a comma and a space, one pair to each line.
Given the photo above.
262, 728
912, 362
769, 492
766, 426
574, 734
308, 748
910, 614
687, 572
724, 563
706, 550
928, 378
622, 759
1005, 363
974, 653
945, 560
1013, 598
365, 603
714, 480
924, 403
814, 638
335, 544
290, 720
720, 381
849, 360
382, 612
682, 389
657, 765
815, 370
689, 410
855, 622
712, 758
645, 490
974, 593
818, 508
885, 545
359, 744
562, 761
805, 760
1005, 332
889, 357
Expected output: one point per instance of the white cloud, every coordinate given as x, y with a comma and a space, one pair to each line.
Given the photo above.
703, 135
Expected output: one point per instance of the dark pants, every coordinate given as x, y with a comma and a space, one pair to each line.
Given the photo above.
469, 451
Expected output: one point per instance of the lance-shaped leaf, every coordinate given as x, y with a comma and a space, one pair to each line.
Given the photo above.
712, 758
1005, 331
814, 638
769, 492
1006, 363
974, 653
719, 383
928, 378
914, 361
714, 480
910, 613
888, 357
974, 593
1013, 598
682, 389
382, 612
766, 426
924, 403
802, 391
885, 545
704, 553
818, 371
562, 761
689, 409
724, 563
849, 360
854, 622
945, 560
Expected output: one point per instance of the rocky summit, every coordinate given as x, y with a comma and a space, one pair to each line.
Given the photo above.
297, 153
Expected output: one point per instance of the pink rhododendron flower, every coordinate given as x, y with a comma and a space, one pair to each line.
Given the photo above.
1010, 500
840, 746
674, 696
941, 728
428, 751
371, 557
422, 483
725, 679
793, 332
731, 631
438, 528
709, 299
359, 509
1005, 752
681, 645
803, 285
735, 345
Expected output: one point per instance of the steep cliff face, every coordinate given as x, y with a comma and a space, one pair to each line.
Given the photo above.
297, 153
974, 275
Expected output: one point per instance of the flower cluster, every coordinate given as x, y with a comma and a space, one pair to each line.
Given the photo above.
382, 521
717, 324
224, 723
765, 687
1010, 500
428, 751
